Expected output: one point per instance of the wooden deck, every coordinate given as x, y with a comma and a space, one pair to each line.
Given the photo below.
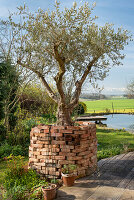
113, 181
97, 119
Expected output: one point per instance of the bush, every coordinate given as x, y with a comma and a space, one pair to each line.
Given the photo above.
36, 101
2, 133
19, 183
6, 149
19, 140
105, 153
17, 150
50, 118
80, 109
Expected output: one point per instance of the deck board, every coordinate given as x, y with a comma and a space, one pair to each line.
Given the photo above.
113, 181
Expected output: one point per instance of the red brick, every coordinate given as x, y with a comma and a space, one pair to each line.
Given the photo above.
66, 131
70, 128
52, 169
59, 157
44, 126
74, 158
85, 136
65, 150
35, 130
64, 146
55, 150
54, 146
33, 160
40, 142
42, 135
37, 145
80, 161
66, 162
36, 153
58, 127
34, 138
58, 142
56, 134
41, 157
84, 128
84, 153
67, 154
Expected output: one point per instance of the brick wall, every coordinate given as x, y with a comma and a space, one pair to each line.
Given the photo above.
53, 146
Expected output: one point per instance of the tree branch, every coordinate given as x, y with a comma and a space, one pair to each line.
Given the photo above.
49, 90
59, 77
79, 83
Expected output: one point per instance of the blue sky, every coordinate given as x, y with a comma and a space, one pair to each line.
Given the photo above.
118, 12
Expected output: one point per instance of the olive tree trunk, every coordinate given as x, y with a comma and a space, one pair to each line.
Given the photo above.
64, 115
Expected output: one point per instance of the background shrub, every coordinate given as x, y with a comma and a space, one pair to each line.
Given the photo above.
36, 101
80, 109
2, 133
7, 149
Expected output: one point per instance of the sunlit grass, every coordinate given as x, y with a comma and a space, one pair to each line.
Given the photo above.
112, 142
110, 106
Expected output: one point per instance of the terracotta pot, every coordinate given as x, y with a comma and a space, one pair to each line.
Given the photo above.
68, 179
49, 193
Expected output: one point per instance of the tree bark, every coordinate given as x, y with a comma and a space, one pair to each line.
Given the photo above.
64, 115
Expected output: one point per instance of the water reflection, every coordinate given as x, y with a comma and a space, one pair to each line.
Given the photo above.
121, 121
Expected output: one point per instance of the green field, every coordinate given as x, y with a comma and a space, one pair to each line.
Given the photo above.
115, 105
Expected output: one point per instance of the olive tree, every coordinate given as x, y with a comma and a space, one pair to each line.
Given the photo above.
68, 47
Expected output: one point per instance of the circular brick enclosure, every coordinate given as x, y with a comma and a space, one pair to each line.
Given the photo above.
53, 146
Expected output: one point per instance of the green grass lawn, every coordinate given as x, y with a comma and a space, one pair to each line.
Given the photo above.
112, 142
119, 105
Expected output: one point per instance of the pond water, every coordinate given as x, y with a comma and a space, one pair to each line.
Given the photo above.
120, 121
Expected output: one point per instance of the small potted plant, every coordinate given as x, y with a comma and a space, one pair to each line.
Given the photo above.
49, 191
69, 174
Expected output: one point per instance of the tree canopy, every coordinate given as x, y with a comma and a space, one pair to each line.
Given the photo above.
68, 47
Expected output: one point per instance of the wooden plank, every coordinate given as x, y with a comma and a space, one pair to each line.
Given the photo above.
91, 118
126, 181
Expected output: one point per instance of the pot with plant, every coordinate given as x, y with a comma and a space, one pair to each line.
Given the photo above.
49, 191
69, 174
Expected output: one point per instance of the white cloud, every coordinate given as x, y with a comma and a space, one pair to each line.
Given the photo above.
114, 90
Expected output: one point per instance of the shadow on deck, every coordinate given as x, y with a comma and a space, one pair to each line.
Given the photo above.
114, 180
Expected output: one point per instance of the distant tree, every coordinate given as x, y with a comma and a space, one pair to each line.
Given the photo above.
67, 46
130, 90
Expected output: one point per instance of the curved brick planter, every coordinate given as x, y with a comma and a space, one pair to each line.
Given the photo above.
53, 146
